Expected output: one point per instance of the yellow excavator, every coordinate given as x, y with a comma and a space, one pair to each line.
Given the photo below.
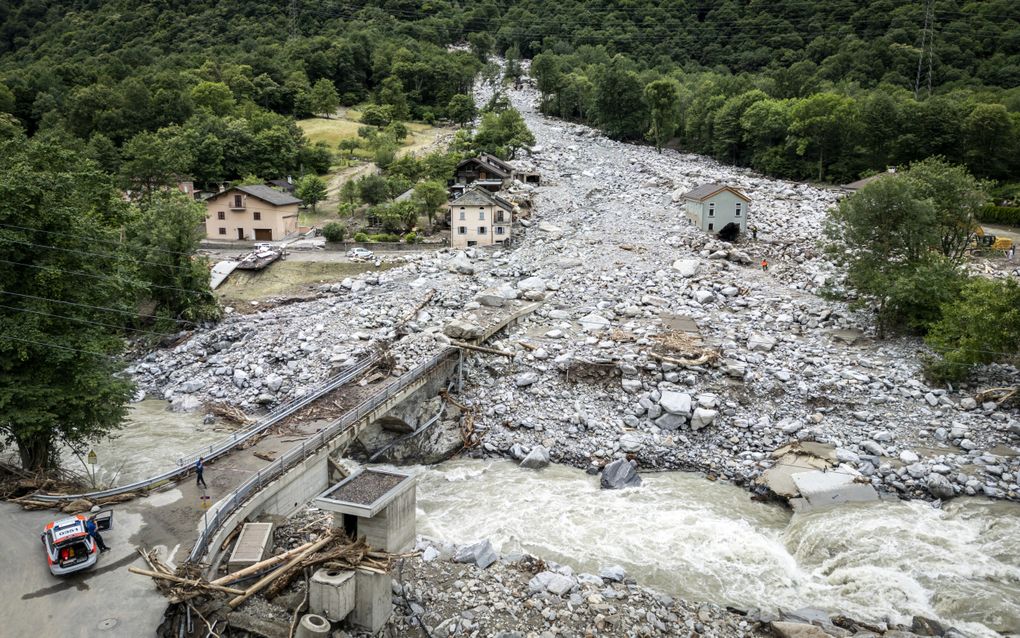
984, 241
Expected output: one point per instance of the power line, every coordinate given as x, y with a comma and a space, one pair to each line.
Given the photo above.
80, 320
101, 277
89, 239
103, 308
93, 254
48, 344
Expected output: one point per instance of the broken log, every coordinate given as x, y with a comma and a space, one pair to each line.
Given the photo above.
184, 581
687, 363
266, 580
468, 346
259, 566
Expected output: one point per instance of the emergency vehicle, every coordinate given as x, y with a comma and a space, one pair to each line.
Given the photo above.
69, 548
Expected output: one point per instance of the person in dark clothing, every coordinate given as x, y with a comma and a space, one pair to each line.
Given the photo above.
93, 531
199, 468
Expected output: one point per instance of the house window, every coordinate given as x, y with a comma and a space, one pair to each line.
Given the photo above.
481, 215
462, 214
462, 230
481, 230
237, 202
223, 231
737, 213
499, 216
221, 215
711, 226
500, 230
711, 210
258, 215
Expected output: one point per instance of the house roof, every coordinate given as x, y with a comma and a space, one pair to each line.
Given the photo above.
281, 183
495, 168
495, 161
267, 194
703, 192
861, 183
481, 197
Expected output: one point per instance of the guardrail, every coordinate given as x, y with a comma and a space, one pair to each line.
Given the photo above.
184, 464
298, 453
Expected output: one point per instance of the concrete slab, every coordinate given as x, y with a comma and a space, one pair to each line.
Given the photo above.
822, 489
779, 477
220, 271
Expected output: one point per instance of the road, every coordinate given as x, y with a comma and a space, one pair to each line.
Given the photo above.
108, 601
105, 601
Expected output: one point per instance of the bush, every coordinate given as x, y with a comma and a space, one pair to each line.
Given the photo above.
360, 237
384, 237
334, 232
1005, 215
411, 238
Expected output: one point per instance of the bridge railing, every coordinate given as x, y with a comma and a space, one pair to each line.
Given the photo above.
185, 463
298, 453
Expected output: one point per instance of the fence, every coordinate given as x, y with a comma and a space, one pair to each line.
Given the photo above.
297, 454
215, 450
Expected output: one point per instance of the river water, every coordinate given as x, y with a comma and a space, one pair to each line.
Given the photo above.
706, 541
150, 442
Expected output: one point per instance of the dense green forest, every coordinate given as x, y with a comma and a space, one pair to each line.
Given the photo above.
797, 88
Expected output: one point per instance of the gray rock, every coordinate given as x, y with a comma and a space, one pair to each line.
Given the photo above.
526, 378
240, 378
671, 421
185, 404
536, 284
702, 418
274, 382
594, 322
460, 264
687, 267
460, 329
491, 298
481, 554
620, 474
192, 385
908, 458
536, 459
551, 582
675, 402
631, 442
614, 573
939, 486
760, 343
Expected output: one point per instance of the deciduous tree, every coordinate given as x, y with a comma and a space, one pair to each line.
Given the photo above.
311, 189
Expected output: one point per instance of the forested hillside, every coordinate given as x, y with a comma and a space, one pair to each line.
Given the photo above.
827, 90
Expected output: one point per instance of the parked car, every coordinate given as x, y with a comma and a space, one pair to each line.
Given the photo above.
360, 253
69, 548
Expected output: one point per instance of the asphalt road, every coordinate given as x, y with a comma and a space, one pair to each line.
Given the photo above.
104, 602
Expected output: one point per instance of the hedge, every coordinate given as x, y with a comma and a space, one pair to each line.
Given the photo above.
1006, 215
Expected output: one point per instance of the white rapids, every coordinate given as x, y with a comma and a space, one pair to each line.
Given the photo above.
701, 540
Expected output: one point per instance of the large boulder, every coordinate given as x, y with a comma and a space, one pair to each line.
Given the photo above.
702, 418
687, 267
186, 403
676, 402
940, 486
551, 582
481, 554
532, 284
460, 329
491, 297
536, 459
620, 474
461, 264
593, 322
526, 378
761, 343
797, 630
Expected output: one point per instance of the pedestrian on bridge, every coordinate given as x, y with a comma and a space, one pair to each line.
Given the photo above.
199, 468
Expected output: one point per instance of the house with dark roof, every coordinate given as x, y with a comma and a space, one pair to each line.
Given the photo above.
853, 187
712, 206
479, 218
487, 171
251, 213
283, 185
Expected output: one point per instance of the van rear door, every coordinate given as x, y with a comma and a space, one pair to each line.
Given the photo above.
104, 520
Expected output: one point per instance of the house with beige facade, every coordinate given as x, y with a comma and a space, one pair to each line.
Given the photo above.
479, 218
712, 206
251, 213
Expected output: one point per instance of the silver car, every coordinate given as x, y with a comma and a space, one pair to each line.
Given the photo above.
360, 253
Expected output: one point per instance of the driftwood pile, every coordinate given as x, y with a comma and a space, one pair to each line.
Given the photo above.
192, 596
683, 350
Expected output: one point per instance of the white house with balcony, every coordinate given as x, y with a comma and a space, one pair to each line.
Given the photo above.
712, 206
479, 218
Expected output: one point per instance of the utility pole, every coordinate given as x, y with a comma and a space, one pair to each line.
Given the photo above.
927, 44
292, 18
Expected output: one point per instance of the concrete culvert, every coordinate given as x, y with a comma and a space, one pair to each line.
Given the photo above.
312, 626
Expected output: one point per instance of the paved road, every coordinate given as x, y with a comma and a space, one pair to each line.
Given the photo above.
106, 601
36, 604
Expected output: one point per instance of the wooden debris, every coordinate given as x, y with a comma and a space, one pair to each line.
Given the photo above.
999, 395
195, 584
468, 346
259, 566
705, 357
286, 569
266, 456
229, 413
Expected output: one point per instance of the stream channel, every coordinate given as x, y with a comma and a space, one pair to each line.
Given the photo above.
708, 541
